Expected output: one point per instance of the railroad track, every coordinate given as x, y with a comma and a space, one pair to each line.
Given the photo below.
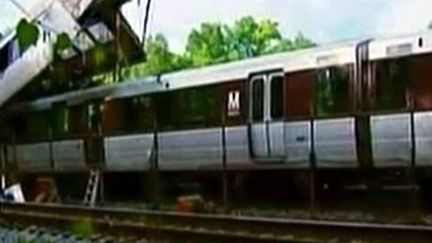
181, 227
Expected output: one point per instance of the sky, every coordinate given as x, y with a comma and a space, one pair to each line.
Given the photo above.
323, 21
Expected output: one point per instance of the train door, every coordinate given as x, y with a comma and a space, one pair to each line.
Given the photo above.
266, 116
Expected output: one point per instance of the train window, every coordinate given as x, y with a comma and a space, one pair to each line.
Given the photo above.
165, 103
276, 96
18, 123
60, 119
188, 108
93, 116
195, 104
258, 99
142, 113
111, 119
9, 124
421, 81
390, 79
333, 91
200, 107
35, 127
129, 114
117, 115
77, 120
299, 94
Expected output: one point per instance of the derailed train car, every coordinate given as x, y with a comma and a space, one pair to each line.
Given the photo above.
350, 108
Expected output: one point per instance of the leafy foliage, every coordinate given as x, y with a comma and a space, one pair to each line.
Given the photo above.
250, 39
83, 228
214, 43
27, 34
208, 45
159, 59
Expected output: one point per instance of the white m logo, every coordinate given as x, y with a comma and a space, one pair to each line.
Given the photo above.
233, 103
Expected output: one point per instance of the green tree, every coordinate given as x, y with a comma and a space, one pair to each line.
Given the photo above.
282, 45
214, 43
207, 45
160, 58
430, 25
301, 42
250, 38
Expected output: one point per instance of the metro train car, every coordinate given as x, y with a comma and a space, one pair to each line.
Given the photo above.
349, 108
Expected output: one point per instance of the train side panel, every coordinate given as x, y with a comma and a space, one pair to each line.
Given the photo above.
335, 143
33, 157
69, 155
190, 149
129, 152
423, 138
391, 140
298, 143
237, 147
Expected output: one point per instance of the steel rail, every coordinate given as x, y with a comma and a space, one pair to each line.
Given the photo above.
213, 228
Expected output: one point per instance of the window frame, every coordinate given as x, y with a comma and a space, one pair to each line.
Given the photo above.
180, 113
375, 107
293, 79
270, 79
263, 109
64, 109
334, 111
418, 88
26, 134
